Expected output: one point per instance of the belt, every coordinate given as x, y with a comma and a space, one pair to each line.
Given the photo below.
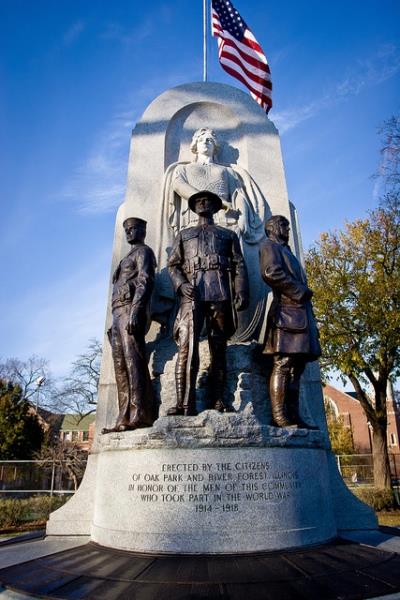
207, 263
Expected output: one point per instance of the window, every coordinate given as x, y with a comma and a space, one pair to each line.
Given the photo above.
393, 439
75, 436
85, 436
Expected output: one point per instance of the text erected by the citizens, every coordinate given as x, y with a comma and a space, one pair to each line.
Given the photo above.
220, 486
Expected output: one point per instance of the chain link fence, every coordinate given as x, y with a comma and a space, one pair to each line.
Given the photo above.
23, 478
358, 470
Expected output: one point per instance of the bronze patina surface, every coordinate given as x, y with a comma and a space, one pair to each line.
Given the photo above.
209, 274
133, 282
292, 336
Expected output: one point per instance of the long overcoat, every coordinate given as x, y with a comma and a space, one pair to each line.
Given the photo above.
291, 327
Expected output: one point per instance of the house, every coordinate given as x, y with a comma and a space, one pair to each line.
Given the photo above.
78, 430
50, 422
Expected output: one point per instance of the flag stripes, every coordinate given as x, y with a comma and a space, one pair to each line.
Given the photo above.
240, 54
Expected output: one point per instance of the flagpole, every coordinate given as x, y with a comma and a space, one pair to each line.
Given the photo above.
205, 25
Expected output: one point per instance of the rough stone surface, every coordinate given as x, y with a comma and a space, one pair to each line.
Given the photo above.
213, 500
211, 429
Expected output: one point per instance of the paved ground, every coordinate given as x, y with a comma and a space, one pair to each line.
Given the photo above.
342, 569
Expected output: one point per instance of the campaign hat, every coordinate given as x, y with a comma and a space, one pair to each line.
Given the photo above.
217, 202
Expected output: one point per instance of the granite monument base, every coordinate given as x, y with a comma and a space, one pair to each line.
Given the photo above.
211, 484
185, 497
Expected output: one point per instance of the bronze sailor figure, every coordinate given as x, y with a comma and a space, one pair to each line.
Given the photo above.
133, 282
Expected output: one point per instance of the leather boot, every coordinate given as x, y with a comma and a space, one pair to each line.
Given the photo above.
180, 384
277, 391
217, 388
189, 410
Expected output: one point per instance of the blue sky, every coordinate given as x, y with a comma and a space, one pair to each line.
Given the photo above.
76, 75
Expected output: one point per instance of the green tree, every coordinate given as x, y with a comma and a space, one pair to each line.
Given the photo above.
355, 276
339, 434
20, 432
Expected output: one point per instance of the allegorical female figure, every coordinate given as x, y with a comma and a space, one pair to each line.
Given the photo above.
243, 211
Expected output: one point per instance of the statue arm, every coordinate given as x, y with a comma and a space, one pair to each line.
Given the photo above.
181, 185
144, 283
144, 280
175, 263
276, 275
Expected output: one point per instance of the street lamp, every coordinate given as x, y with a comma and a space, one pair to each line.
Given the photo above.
39, 382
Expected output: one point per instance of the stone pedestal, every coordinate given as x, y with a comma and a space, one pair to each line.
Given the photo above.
180, 488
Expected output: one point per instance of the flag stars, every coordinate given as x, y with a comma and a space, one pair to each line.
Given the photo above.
228, 26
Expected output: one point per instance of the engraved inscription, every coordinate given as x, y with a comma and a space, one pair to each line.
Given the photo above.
223, 487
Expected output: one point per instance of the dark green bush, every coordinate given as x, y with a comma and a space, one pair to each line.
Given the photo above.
18, 511
39, 507
12, 512
377, 498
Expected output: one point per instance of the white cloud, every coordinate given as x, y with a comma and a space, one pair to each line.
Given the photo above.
98, 184
73, 33
374, 70
128, 36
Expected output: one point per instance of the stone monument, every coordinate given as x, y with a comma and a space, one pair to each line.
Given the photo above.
217, 482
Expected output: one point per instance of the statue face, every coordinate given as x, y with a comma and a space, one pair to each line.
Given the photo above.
278, 228
283, 229
204, 206
135, 233
206, 144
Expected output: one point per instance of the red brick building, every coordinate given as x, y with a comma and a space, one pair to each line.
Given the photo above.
345, 405
78, 430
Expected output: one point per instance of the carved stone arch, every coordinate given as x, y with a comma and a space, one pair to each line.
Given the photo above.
214, 115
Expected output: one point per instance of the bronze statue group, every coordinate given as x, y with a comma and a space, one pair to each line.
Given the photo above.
209, 276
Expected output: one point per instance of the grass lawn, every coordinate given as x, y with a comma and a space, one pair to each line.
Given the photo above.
390, 518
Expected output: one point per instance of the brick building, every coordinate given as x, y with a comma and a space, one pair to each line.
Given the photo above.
345, 405
78, 430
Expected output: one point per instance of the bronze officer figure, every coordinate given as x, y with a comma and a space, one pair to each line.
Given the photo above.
133, 282
209, 274
292, 336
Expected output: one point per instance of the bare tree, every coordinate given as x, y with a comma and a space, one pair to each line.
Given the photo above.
33, 377
389, 167
78, 393
68, 460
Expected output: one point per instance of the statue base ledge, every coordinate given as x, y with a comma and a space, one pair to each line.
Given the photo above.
211, 429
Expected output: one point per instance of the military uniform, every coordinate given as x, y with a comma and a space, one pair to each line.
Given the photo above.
133, 282
291, 327
208, 257
292, 336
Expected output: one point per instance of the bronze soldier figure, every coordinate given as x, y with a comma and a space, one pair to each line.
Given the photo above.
209, 274
292, 336
133, 282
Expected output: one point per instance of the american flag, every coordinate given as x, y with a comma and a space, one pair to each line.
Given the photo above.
239, 52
